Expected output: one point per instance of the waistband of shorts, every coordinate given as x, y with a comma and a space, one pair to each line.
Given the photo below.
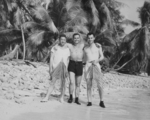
76, 61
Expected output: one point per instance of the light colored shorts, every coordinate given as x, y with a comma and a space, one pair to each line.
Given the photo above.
60, 72
93, 72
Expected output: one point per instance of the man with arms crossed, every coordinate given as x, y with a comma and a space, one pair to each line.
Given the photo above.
59, 60
93, 55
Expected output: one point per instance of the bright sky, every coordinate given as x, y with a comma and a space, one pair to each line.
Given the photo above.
130, 11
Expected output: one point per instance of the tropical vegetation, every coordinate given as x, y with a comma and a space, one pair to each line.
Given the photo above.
29, 28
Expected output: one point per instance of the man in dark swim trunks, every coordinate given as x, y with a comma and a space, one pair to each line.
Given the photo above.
75, 67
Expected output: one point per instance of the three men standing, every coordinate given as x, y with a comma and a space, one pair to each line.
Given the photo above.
92, 54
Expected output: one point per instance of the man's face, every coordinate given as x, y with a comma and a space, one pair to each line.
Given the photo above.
62, 41
90, 39
76, 39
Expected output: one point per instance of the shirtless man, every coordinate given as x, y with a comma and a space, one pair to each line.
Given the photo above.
93, 55
75, 67
58, 66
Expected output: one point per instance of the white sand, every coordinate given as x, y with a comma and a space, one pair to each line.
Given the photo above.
126, 97
121, 104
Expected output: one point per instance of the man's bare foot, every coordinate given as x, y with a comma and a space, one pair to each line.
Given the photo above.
44, 100
61, 100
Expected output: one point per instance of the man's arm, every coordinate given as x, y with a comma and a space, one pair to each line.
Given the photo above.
51, 60
68, 58
101, 54
68, 45
84, 56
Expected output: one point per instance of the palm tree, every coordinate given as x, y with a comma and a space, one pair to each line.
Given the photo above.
19, 15
43, 19
15, 19
40, 32
136, 45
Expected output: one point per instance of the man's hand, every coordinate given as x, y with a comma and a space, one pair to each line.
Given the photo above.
68, 45
94, 62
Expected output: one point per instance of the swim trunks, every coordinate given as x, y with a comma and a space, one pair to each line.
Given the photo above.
93, 72
76, 67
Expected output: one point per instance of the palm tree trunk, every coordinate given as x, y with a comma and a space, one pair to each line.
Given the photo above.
24, 46
11, 55
117, 61
10, 47
124, 64
17, 55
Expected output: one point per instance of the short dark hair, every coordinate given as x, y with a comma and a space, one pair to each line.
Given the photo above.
75, 34
62, 35
90, 33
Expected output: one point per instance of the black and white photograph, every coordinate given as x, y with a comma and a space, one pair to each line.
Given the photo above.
74, 59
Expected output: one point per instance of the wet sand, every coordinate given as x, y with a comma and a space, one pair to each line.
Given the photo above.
121, 104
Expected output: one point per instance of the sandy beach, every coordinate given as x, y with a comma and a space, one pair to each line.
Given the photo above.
121, 104
126, 97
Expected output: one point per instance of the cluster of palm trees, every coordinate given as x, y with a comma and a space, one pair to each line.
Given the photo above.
135, 47
29, 28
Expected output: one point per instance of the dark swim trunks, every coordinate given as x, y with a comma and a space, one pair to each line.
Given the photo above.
76, 67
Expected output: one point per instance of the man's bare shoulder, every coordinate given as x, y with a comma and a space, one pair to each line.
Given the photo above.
86, 46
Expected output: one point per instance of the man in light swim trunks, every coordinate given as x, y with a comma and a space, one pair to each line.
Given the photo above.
93, 55
59, 60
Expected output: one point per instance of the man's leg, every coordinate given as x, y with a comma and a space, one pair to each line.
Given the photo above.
89, 92
50, 90
77, 91
71, 86
62, 91
100, 90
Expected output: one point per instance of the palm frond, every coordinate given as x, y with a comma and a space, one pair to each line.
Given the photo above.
77, 18
144, 13
138, 44
33, 26
41, 15
57, 11
105, 38
95, 21
108, 51
141, 45
48, 2
105, 16
36, 39
3, 15
7, 5
10, 32
70, 4
118, 4
92, 14
130, 22
111, 3
131, 36
36, 54
81, 29
18, 18
14, 5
